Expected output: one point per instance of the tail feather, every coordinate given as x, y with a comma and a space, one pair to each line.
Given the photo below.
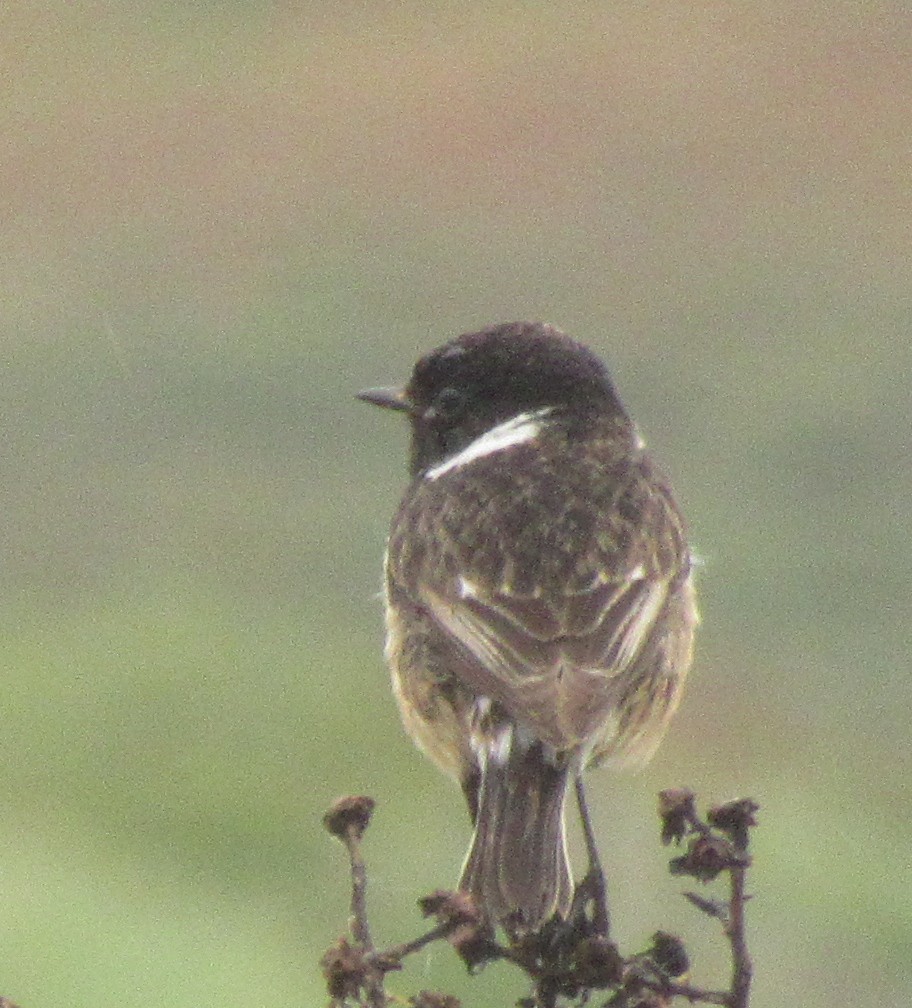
517, 866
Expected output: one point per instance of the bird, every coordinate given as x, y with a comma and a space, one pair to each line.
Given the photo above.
539, 600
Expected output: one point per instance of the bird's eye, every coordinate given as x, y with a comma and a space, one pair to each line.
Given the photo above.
446, 406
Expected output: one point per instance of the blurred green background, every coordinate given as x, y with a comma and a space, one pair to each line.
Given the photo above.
221, 220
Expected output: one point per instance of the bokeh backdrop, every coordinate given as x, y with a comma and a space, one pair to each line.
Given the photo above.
219, 221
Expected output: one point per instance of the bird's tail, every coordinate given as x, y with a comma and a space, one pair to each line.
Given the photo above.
517, 866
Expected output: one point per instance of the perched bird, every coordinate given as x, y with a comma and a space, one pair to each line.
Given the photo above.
539, 607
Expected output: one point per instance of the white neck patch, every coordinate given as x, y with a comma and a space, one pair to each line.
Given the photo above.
517, 430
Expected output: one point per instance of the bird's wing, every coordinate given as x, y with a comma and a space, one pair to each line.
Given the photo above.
549, 620
557, 664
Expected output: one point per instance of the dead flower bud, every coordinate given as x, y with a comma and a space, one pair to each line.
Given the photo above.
598, 963
735, 819
428, 999
349, 816
676, 810
345, 970
706, 858
470, 934
668, 954
450, 907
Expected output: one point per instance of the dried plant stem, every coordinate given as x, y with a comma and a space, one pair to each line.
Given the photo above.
397, 952
742, 966
359, 924
376, 996
347, 820
696, 995
568, 959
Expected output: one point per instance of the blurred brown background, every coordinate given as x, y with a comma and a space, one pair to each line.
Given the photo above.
221, 220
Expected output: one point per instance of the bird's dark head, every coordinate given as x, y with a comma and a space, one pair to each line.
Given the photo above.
479, 380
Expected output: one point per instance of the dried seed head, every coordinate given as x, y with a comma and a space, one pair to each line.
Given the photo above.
428, 999
677, 811
349, 816
735, 819
345, 970
669, 954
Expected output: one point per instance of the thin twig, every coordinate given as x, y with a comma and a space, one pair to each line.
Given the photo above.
397, 952
691, 993
742, 966
359, 925
735, 819
376, 996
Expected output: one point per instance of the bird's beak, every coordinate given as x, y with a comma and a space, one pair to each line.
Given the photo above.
388, 398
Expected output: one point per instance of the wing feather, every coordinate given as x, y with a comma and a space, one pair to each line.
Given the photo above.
558, 669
